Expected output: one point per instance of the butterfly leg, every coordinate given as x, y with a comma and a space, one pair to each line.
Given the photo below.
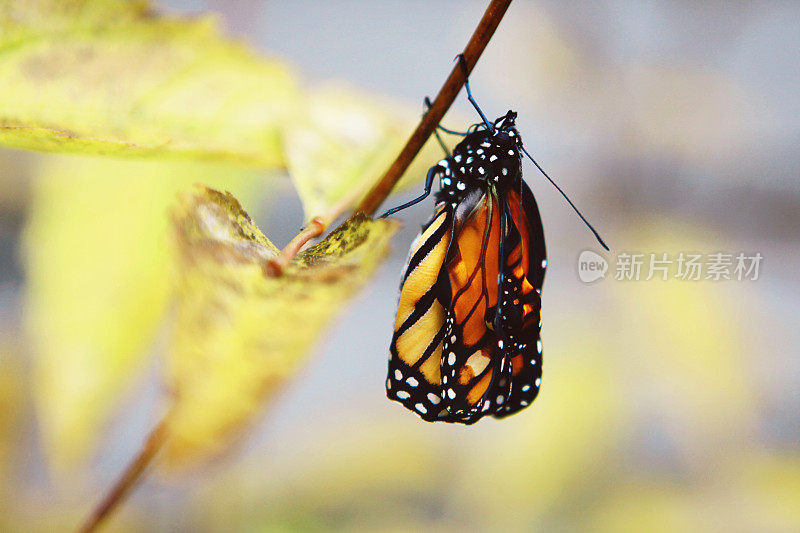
428, 184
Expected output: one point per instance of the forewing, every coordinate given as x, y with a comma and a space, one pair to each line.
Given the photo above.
416, 349
474, 372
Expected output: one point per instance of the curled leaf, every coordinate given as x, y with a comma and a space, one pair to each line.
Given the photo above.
340, 144
97, 262
239, 333
106, 76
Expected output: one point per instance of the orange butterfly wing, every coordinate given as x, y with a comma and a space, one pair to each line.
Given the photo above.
466, 341
472, 359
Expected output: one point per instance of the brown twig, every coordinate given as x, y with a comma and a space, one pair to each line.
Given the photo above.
274, 267
480, 38
127, 481
477, 43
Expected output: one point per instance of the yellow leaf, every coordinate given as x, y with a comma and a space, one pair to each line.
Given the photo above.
96, 258
107, 76
342, 142
240, 334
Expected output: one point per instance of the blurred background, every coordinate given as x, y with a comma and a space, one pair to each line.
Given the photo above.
665, 405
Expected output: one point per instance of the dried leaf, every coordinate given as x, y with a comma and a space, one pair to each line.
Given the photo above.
106, 76
96, 259
240, 334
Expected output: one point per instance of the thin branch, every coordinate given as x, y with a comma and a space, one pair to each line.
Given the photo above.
274, 267
129, 478
480, 38
477, 43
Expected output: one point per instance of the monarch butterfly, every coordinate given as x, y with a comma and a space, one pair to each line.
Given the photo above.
466, 340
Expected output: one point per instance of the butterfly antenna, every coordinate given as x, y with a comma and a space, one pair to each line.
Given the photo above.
597, 235
463, 64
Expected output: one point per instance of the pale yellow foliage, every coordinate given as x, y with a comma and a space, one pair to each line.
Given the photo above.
240, 334
107, 76
111, 77
96, 256
342, 141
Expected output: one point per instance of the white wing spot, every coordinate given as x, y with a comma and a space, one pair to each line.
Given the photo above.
434, 399
451, 359
526, 388
413, 382
500, 400
493, 158
451, 394
499, 344
460, 185
538, 382
504, 171
403, 395
539, 346
421, 408
544, 263
511, 152
398, 375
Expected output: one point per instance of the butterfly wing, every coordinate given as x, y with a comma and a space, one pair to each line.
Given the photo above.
416, 349
523, 275
475, 373
466, 340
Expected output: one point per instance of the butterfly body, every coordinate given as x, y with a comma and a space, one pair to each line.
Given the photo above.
466, 341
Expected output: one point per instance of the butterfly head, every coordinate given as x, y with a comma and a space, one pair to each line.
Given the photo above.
487, 157
505, 129
500, 148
